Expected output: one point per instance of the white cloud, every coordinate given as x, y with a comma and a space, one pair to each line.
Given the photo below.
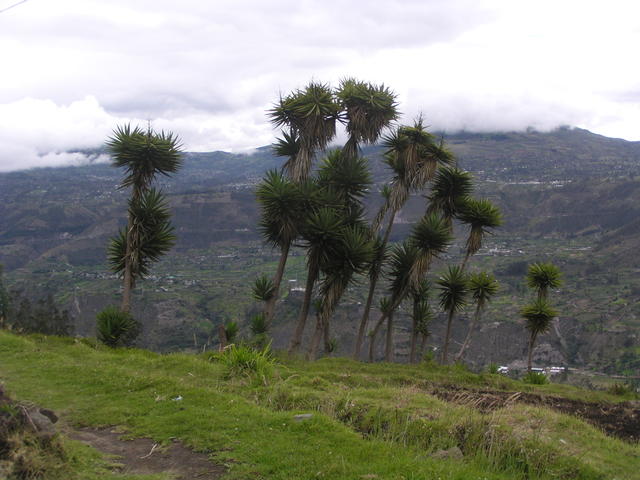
74, 69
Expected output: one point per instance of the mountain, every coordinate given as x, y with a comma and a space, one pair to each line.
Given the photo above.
568, 196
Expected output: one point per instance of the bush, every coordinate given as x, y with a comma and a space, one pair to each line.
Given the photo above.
231, 331
259, 324
242, 360
535, 378
620, 389
492, 368
116, 328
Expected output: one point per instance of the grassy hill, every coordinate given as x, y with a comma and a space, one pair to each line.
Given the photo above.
381, 421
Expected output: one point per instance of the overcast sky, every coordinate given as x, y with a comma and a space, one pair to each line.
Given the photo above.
74, 69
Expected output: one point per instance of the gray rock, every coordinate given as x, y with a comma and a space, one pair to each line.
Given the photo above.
41, 423
302, 417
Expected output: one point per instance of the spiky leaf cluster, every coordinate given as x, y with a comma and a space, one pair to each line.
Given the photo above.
482, 286
538, 316
481, 216
263, 289
143, 155
151, 235
542, 277
450, 188
454, 288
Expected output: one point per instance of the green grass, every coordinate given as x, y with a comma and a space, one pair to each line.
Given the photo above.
367, 419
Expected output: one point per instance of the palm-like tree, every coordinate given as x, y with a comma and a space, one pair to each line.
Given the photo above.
542, 277
482, 287
430, 237
538, 317
413, 155
310, 116
149, 236
481, 216
366, 110
453, 296
280, 203
350, 256
320, 234
143, 155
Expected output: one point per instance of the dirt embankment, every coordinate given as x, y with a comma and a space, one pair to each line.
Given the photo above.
621, 420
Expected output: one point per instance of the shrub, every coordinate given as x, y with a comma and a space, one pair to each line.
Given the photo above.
619, 389
535, 378
242, 360
492, 368
259, 324
116, 328
231, 331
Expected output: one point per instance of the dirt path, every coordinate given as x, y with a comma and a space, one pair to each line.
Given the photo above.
143, 456
621, 420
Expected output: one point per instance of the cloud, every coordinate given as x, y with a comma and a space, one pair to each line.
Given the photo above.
74, 69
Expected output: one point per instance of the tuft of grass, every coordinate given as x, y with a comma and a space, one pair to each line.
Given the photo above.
535, 378
243, 360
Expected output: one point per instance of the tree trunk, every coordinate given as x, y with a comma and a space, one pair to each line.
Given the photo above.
414, 340
532, 340
127, 281
365, 318
222, 335
388, 351
294, 345
445, 348
270, 306
315, 340
326, 333
467, 339
374, 334
423, 342
372, 288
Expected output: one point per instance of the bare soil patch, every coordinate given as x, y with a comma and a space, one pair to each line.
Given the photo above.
621, 420
144, 456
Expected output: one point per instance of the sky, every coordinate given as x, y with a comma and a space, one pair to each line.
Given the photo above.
72, 70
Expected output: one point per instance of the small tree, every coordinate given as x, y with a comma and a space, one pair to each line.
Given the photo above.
538, 317
453, 296
482, 287
143, 155
543, 276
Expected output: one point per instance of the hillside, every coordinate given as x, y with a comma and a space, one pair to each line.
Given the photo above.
568, 196
331, 419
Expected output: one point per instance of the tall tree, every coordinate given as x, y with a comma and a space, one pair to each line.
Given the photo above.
143, 155
344, 181
281, 202
538, 317
453, 296
430, 237
351, 256
482, 286
413, 155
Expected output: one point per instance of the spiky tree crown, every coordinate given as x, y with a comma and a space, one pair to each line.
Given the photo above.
538, 316
542, 277
454, 287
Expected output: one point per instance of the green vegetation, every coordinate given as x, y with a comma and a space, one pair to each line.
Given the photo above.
382, 419
149, 234
116, 328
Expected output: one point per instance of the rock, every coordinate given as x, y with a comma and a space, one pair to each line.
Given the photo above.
452, 453
302, 417
41, 423
49, 414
